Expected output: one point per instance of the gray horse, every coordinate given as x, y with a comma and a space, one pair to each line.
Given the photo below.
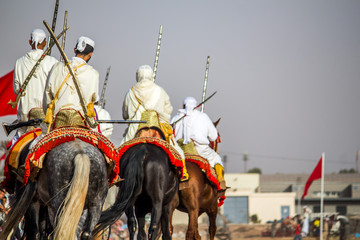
72, 184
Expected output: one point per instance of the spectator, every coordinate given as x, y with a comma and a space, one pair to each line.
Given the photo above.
298, 225
273, 228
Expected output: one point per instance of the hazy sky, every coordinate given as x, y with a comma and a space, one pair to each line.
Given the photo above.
286, 72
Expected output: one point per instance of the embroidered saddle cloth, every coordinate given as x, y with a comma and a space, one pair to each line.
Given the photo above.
208, 171
174, 156
34, 161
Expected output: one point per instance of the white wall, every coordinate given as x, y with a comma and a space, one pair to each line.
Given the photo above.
267, 206
242, 181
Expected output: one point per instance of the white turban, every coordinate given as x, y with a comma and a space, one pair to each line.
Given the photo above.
37, 36
144, 72
190, 104
82, 41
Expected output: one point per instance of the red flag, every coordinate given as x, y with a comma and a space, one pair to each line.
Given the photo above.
316, 174
6, 93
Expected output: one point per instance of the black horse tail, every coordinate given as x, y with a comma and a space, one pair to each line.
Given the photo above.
18, 208
130, 188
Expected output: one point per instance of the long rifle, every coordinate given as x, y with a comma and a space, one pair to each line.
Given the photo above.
200, 104
102, 98
120, 121
205, 82
32, 71
9, 127
64, 36
157, 52
89, 120
54, 20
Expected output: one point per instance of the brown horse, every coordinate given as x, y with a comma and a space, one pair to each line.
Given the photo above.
199, 197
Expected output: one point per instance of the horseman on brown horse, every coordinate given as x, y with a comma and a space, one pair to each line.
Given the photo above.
194, 132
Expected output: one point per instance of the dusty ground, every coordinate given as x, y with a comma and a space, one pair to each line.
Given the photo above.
238, 232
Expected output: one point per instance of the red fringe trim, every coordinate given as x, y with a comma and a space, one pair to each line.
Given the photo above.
175, 157
204, 165
68, 134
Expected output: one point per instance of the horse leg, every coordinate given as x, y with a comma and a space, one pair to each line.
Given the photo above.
140, 216
174, 204
131, 221
212, 213
155, 219
193, 231
31, 223
92, 219
96, 194
165, 222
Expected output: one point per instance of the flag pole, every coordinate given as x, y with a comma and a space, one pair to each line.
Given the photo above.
322, 196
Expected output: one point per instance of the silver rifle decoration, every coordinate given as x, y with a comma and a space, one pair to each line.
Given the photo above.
157, 52
54, 22
92, 123
64, 36
102, 101
205, 82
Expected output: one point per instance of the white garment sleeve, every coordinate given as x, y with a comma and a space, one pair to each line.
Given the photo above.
16, 81
48, 94
212, 131
125, 108
167, 107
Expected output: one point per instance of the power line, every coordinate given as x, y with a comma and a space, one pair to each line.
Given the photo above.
283, 158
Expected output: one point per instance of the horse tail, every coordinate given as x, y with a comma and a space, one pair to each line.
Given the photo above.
18, 209
130, 188
73, 204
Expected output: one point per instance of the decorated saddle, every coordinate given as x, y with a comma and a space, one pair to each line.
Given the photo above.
191, 155
34, 161
174, 156
13, 155
207, 170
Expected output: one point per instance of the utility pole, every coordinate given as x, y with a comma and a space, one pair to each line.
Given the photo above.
298, 182
245, 161
357, 161
225, 161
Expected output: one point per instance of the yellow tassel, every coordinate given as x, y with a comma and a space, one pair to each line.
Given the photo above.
49, 113
90, 110
219, 172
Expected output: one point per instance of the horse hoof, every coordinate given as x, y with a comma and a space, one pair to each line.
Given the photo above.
85, 236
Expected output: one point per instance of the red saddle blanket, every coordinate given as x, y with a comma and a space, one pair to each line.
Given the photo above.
34, 160
208, 170
174, 156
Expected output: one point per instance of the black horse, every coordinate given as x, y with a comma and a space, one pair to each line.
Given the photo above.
149, 185
73, 182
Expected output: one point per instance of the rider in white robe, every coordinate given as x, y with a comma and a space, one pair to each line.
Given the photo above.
87, 76
152, 97
198, 128
33, 94
147, 95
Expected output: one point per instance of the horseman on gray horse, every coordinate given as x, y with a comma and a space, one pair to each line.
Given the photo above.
59, 166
